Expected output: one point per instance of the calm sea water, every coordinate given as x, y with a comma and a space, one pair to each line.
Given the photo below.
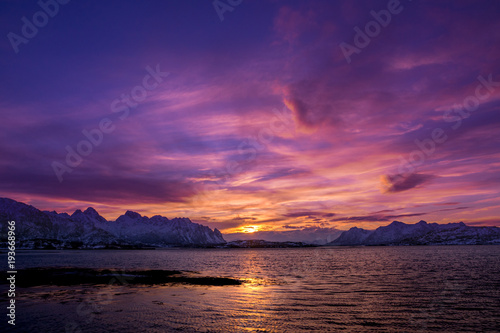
328, 289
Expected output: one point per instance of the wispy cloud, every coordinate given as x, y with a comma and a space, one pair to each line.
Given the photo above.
400, 182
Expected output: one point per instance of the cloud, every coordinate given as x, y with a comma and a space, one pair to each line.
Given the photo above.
404, 215
399, 183
301, 214
452, 209
362, 218
118, 189
446, 203
302, 111
243, 218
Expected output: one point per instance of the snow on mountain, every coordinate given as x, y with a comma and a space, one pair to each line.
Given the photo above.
35, 222
160, 231
421, 233
89, 229
355, 236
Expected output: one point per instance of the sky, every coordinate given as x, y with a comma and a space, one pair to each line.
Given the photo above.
275, 117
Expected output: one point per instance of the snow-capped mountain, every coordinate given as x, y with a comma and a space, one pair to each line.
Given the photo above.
421, 233
158, 230
355, 236
89, 229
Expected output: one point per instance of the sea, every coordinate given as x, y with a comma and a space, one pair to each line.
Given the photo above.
321, 289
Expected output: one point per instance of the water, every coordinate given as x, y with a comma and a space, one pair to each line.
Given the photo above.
328, 289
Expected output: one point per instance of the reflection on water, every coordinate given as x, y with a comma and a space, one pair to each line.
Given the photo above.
364, 289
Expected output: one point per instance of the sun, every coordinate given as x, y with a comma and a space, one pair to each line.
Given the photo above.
250, 228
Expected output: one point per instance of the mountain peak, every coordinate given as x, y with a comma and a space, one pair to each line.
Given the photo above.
77, 212
218, 233
132, 215
356, 228
91, 212
395, 223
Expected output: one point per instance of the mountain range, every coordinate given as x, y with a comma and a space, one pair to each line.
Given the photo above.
421, 233
88, 229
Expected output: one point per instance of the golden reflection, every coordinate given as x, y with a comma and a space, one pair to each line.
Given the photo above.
257, 293
253, 284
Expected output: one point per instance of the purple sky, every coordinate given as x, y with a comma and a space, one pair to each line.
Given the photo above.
262, 122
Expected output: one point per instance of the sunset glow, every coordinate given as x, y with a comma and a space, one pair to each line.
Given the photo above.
250, 228
261, 125
250, 165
